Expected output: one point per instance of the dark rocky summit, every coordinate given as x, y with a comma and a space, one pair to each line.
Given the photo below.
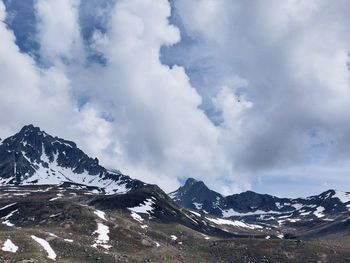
32, 156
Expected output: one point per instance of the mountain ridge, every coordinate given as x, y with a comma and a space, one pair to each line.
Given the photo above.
295, 214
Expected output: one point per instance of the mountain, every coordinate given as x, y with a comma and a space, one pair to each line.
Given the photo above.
33, 157
196, 195
58, 204
301, 216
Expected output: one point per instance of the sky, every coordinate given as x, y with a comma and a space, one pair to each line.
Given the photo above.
244, 95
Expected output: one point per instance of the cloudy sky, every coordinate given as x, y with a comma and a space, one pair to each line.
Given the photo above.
240, 94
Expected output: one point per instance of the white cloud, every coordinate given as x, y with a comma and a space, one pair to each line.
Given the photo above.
2, 12
159, 132
41, 96
58, 29
141, 117
294, 56
275, 72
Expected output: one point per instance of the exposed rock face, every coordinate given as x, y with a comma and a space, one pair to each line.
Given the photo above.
196, 195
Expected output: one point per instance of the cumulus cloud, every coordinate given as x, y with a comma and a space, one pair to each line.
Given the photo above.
160, 134
58, 29
42, 96
294, 56
138, 115
253, 91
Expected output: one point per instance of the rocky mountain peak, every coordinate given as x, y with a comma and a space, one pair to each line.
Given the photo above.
190, 182
196, 195
32, 156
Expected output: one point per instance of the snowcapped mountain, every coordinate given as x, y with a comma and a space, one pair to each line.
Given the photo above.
33, 157
329, 206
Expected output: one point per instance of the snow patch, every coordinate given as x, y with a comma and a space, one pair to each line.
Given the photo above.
297, 206
305, 213
145, 207
230, 212
319, 211
100, 214
55, 198
173, 237
136, 217
205, 237
220, 221
102, 239
6, 206
195, 213
42, 242
198, 205
342, 196
55, 215
7, 222
9, 246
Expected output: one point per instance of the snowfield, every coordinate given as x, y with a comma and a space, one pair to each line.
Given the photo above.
55, 174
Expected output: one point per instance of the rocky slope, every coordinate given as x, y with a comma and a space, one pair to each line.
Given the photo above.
73, 224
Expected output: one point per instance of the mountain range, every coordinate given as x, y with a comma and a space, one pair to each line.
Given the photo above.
59, 204
318, 214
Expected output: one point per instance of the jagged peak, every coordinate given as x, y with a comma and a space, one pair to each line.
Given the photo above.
190, 181
31, 132
192, 184
29, 127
